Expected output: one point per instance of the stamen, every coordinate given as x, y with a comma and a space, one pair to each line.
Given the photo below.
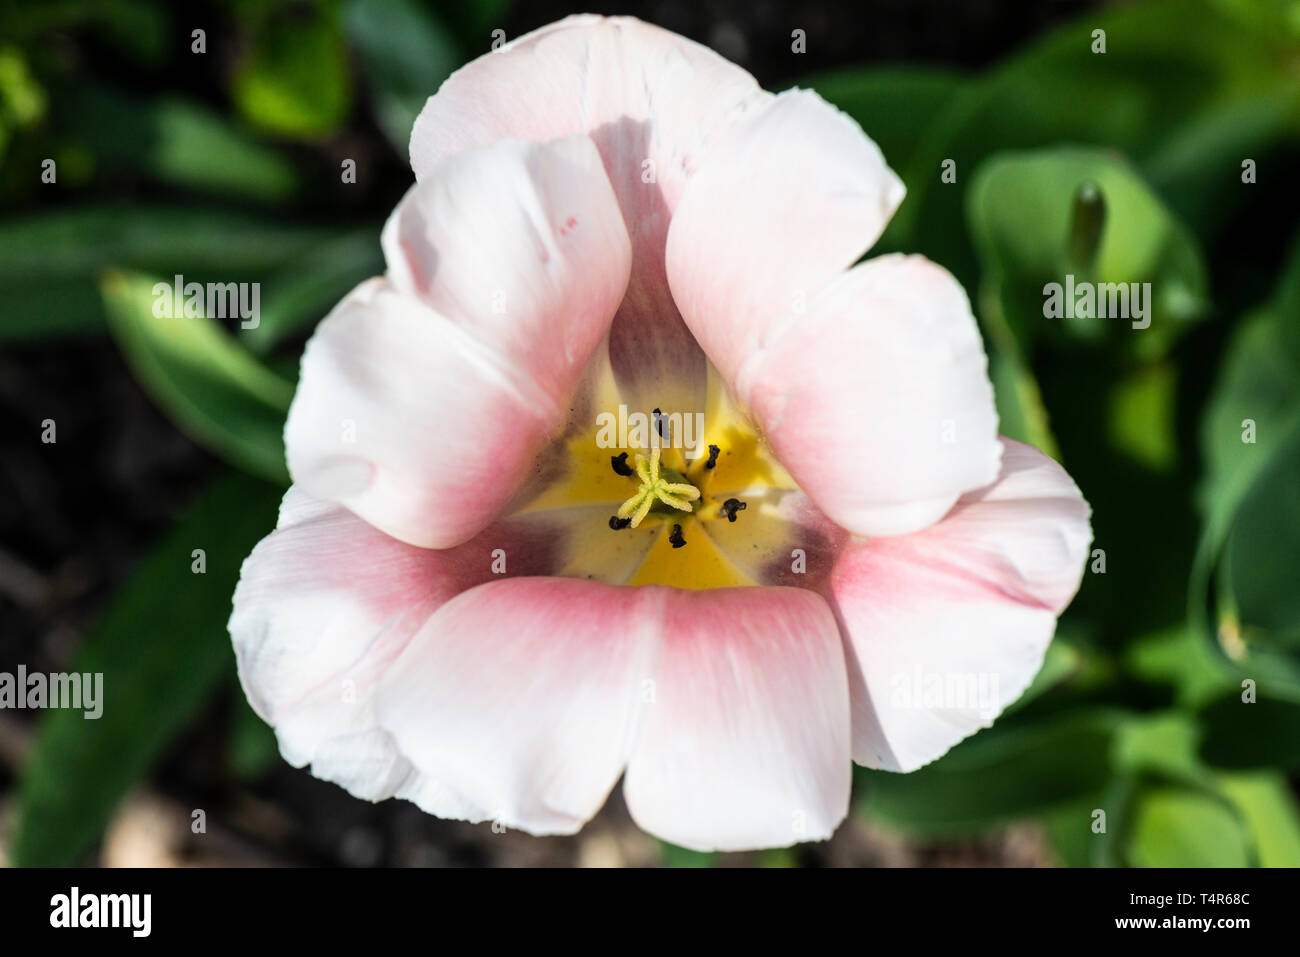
713, 457
660, 419
617, 523
619, 464
730, 507
675, 539
656, 488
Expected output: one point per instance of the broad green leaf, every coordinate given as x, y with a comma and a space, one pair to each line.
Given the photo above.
1079, 221
1242, 593
176, 142
294, 79
50, 263
1175, 827
210, 385
1167, 64
407, 52
1269, 808
998, 776
162, 648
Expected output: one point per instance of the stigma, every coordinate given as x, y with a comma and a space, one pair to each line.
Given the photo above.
657, 487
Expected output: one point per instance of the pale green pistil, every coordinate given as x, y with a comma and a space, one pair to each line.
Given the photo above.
655, 487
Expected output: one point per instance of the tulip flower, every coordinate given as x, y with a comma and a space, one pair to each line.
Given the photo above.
473, 603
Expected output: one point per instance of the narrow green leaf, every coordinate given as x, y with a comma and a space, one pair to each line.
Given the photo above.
162, 649
50, 263
209, 384
177, 142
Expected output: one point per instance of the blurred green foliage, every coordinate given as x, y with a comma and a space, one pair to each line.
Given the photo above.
1123, 166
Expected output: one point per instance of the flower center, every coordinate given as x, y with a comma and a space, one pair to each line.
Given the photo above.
644, 502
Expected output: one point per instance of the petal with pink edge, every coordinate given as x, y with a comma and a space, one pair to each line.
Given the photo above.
879, 402
791, 198
745, 742
424, 397
948, 626
522, 696
324, 605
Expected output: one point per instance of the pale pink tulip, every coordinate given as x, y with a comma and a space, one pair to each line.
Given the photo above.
607, 213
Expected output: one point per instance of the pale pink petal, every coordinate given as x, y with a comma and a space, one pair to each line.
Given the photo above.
946, 627
792, 197
878, 402
522, 696
324, 605
420, 406
745, 741
653, 102
523, 247
642, 92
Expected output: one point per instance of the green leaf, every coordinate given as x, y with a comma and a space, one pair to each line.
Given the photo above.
407, 52
1271, 814
1176, 827
1242, 593
1060, 219
162, 648
176, 142
209, 384
294, 81
1177, 656
50, 263
1167, 63
998, 776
